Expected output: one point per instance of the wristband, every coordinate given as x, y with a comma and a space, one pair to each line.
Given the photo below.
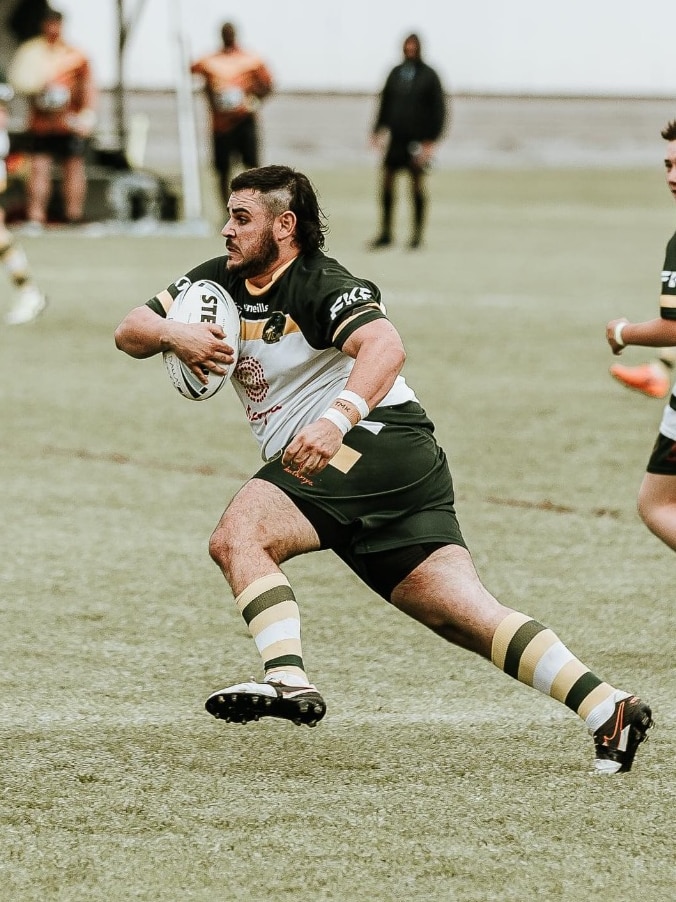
618, 333
338, 419
353, 398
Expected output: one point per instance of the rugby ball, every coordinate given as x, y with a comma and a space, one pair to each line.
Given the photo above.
203, 302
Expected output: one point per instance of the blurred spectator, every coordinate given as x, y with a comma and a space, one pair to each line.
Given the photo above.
412, 109
24, 22
30, 301
235, 82
57, 81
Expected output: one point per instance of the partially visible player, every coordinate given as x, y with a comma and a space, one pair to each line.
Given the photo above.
30, 301
657, 495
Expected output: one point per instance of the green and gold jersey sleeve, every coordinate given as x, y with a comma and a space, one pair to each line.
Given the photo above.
328, 303
213, 269
668, 295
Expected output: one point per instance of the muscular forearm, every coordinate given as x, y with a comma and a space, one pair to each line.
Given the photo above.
142, 333
378, 361
654, 333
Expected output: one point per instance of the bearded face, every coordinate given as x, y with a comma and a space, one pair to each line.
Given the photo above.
252, 255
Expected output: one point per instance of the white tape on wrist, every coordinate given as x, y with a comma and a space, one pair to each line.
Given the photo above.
353, 398
618, 333
338, 419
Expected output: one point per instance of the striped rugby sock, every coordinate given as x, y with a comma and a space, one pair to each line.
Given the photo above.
534, 655
269, 608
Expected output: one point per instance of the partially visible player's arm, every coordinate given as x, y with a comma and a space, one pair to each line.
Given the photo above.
654, 333
144, 333
379, 355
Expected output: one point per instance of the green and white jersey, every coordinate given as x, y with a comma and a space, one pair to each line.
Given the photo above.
291, 367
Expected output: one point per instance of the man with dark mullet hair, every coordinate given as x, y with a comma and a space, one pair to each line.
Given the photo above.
350, 464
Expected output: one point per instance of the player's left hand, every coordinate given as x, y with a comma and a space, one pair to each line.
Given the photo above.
314, 446
615, 347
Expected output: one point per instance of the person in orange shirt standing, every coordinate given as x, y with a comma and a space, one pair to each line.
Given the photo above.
58, 83
235, 82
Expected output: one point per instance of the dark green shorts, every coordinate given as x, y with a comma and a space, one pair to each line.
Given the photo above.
390, 489
663, 456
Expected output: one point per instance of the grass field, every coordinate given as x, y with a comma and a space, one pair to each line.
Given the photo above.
433, 777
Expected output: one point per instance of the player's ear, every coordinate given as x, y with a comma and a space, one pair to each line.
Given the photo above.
285, 225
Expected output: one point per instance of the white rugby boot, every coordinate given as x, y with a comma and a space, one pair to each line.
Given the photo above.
301, 704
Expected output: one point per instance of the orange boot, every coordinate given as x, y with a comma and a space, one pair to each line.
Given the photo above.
649, 378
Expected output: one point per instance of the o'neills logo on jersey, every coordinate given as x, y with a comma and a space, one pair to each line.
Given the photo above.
255, 308
668, 278
349, 299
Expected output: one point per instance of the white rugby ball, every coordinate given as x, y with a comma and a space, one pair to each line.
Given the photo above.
203, 302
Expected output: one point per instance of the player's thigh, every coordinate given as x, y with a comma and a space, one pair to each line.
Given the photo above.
263, 516
444, 592
657, 490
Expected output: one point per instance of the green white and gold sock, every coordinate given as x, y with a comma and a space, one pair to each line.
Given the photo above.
269, 608
534, 655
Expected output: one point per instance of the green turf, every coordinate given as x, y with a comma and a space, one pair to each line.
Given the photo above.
433, 777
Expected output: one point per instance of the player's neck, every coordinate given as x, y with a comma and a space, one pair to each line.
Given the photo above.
260, 284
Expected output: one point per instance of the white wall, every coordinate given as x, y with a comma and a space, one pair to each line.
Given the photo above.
615, 47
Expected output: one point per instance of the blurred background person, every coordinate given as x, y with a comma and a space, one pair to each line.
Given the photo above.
30, 301
235, 82
58, 83
413, 112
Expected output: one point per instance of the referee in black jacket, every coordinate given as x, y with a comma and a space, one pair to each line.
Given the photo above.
413, 111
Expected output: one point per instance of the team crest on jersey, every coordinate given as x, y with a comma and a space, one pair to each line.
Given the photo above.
274, 328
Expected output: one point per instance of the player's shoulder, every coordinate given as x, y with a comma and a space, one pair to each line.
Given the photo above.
326, 275
323, 283
214, 270
671, 249
321, 264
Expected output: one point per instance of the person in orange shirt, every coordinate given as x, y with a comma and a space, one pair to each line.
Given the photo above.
58, 82
235, 82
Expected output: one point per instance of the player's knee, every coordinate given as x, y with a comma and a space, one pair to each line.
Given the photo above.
222, 543
647, 507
